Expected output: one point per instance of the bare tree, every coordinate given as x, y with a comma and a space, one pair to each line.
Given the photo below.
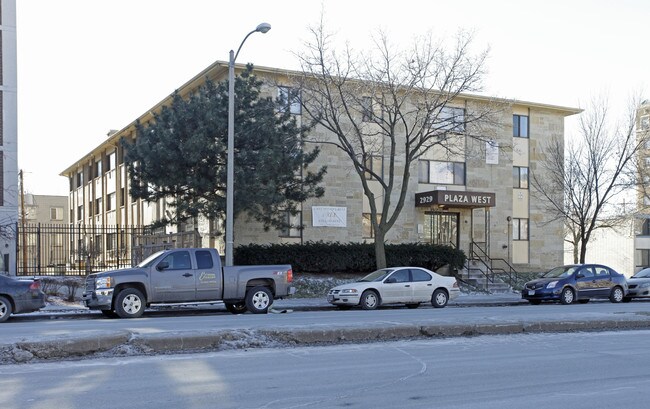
386, 108
584, 182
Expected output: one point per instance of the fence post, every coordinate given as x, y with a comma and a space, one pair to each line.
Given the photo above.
38, 248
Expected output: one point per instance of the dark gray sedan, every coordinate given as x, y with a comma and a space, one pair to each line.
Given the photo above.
19, 296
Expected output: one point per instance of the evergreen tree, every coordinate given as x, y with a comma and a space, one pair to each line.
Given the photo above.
180, 156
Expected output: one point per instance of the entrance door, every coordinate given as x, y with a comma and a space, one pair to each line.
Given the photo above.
442, 228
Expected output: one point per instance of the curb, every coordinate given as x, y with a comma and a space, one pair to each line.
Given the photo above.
125, 343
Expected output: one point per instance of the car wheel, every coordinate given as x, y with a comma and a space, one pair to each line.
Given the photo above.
258, 300
130, 303
535, 302
369, 300
5, 309
413, 306
109, 314
236, 308
567, 296
617, 295
439, 298
585, 301
627, 299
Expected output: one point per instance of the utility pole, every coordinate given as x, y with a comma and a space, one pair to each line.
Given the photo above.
23, 233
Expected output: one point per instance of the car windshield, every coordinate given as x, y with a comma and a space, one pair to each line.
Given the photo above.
147, 261
377, 275
560, 272
645, 273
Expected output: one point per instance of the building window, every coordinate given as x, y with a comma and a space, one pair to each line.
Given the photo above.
110, 162
80, 212
644, 124
520, 229
110, 201
80, 178
520, 177
368, 231
452, 119
98, 205
97, 169
645, 227
520, 126
56, 213
122, 197
366, 109
446, 173
643, 257
289, 99
373, 164
294, 222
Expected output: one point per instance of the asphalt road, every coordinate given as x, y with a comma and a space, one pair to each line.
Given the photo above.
576, 370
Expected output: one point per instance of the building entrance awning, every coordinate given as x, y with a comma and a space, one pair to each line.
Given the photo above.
450, 198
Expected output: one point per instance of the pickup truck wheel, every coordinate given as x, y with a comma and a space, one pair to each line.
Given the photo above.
5, 309
130, 303
258, 300
236, 308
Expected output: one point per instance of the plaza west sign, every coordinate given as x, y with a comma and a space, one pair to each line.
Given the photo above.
451, 198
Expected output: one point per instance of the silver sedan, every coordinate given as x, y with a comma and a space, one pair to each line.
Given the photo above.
397, 285
638, 285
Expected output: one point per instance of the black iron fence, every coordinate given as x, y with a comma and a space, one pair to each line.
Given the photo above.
58, 249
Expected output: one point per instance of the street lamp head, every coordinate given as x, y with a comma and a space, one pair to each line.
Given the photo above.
263, 28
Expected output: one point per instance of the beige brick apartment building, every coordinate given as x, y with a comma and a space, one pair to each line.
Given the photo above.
479, 196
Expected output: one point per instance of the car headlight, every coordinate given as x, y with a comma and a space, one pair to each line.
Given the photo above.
552, 284
349, 291
645, 285
104, 282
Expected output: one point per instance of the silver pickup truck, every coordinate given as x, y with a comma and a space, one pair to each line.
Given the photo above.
183, 276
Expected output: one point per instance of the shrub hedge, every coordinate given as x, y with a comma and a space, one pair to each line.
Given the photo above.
333, 257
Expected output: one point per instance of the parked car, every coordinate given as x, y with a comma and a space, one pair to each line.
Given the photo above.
638, 285
19, 296
185, 276
397, 285
576, 282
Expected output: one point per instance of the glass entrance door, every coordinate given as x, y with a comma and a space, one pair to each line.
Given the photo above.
442, 228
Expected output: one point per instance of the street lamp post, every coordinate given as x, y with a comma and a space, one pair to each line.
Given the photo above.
230, 163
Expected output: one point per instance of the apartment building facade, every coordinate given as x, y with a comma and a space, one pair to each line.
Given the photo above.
480, 194
642, 222
8, 138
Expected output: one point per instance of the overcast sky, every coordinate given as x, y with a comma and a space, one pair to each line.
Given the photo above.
85, 67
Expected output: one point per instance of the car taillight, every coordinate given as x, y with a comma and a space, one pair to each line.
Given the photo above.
35, 285
289, 275
455, 284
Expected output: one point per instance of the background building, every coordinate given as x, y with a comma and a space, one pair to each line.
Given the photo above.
478, 199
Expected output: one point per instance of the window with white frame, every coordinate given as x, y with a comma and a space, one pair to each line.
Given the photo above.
520, 229
520, 126
439, 172
520, 177
289, 99
293, 222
